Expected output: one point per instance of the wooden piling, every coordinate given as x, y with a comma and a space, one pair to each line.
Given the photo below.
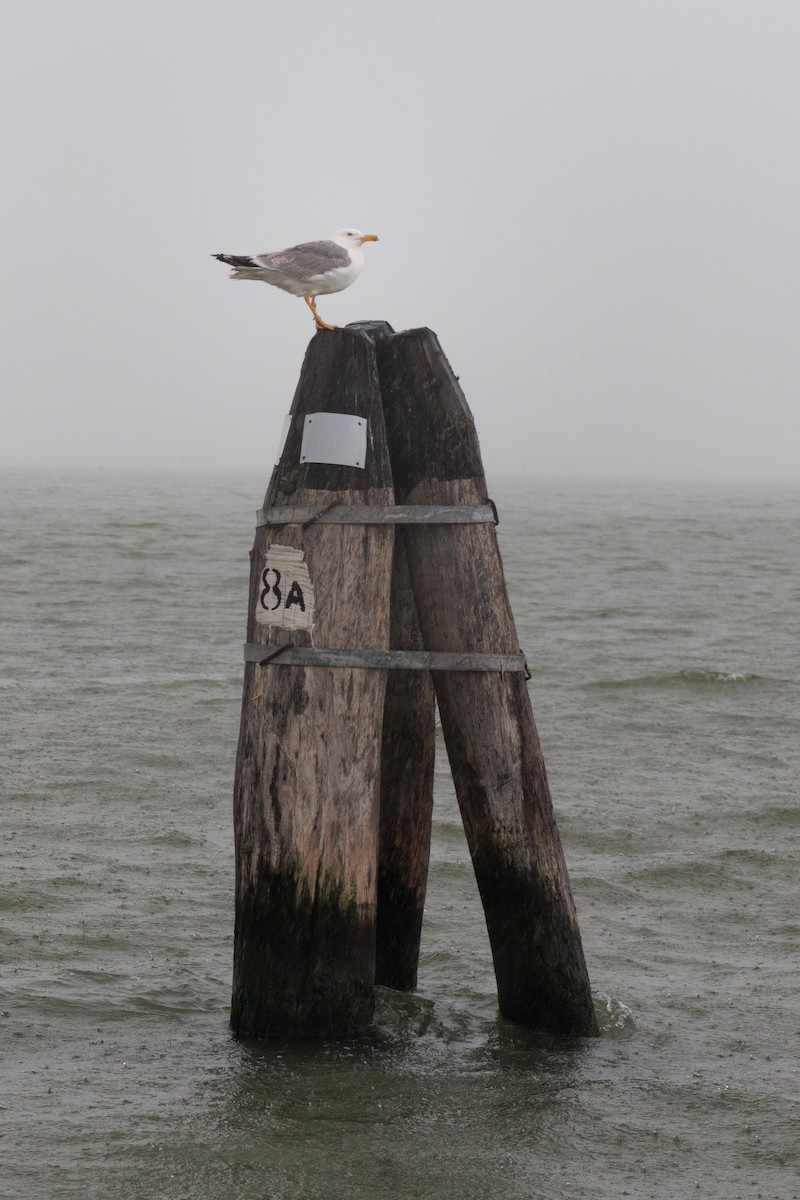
487, 720
306, 795
407, 762
334, 769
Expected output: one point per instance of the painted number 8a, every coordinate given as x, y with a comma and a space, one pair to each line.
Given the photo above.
272, 589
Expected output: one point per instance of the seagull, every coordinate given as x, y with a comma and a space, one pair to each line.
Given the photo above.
309, 270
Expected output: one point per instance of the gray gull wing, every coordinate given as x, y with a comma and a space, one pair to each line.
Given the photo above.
305, 261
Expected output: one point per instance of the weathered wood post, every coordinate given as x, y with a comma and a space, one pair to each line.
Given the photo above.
306, 794
333, 789
487, 720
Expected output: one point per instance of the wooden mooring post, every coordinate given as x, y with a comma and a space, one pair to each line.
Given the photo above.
307, 788
376, 577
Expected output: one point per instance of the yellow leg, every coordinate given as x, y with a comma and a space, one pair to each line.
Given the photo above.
318, 321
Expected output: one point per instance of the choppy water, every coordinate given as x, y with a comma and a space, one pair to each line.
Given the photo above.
663, 628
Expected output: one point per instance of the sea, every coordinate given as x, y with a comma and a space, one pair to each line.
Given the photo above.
661, 623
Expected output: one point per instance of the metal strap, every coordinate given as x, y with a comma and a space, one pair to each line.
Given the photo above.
388, 514
381, 660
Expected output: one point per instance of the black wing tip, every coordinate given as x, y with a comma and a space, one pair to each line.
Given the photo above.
236, 260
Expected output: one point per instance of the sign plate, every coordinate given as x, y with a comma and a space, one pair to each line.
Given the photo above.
285, 592
334, 438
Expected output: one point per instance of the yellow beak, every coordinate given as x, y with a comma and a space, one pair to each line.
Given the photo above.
370, 237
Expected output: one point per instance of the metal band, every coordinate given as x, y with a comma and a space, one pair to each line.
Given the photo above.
381, 660
390, 514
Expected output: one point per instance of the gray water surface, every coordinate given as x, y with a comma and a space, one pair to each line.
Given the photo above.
662, 625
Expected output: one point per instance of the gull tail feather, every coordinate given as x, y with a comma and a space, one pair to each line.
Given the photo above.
236, 260
244, 267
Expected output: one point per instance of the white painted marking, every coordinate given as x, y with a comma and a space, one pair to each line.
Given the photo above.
285, 592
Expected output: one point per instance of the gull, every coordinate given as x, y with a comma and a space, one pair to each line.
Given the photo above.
309, 270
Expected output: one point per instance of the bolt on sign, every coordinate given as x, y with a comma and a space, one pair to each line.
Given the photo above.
285, 592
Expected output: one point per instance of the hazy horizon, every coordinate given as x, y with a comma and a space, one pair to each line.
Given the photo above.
593, 205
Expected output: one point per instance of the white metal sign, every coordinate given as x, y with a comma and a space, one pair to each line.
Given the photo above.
285, 591
334, 438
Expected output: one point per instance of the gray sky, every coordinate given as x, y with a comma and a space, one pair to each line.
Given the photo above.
593, 203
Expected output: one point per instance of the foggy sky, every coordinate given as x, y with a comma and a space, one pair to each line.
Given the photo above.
594, 204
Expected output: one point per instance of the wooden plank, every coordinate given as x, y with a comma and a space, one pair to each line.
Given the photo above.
487, 720
306, 794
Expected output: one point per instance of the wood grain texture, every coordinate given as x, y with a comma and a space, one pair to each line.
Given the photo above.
487, 720
306, 793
